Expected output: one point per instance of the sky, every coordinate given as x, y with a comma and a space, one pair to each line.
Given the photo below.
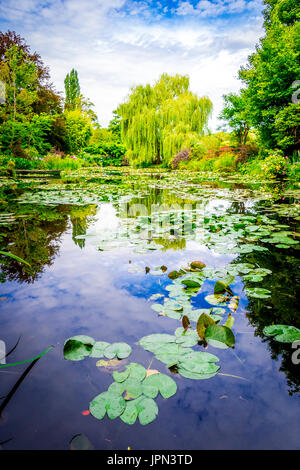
117, 44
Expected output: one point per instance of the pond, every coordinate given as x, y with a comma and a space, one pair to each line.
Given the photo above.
112, 259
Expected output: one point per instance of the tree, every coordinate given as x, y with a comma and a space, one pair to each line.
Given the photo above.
158, 121
47, 100
236, 113
20, 77
272, 70
72, 89
79, 129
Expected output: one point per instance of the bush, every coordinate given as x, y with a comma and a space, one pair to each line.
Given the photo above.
225, 163
107, 153
275, 165
56, 162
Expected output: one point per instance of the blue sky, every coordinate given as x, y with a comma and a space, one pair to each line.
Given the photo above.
116, 44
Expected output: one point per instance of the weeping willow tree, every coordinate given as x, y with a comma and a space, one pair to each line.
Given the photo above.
158, 121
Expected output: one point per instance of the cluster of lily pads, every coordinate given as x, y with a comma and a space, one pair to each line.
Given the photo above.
140, 385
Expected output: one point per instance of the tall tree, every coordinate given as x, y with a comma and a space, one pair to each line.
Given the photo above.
236, 113
72, 89
273, 69
20, 77
47, 99
158, 121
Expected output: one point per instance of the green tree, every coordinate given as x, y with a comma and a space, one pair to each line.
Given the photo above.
72, 89
236, 113
20, 77
158, 121
78, 128
272, 70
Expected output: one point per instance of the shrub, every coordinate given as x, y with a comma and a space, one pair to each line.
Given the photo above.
225, 163
181, 156
275, 165
108, 153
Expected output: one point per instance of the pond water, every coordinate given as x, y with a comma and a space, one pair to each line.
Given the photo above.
99, 248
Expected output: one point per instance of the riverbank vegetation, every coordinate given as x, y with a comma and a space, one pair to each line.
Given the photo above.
165, 124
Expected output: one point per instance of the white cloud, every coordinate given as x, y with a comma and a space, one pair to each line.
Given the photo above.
113, 51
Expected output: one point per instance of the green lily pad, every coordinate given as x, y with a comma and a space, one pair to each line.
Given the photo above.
107, 402
154, 342
258, 292
78, 347
143, 407
119, 350
153, 384
132, 386
283, 333
99, 348
215, 334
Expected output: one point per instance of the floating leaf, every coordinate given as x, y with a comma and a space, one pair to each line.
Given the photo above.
185, 322
121, 350
80, 442
204, 322
107, 402
99, 348
154, 342
258, 292
233, 304
156, 383
283, 333
131, 386
107, 364
215, 334
143, 407
197, 265
78, 347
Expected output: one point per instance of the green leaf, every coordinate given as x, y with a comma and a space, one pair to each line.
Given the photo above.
257, 292
78, 347
190, 284
283, 333
153, 384
99, 348
154, 342
220, 334
121, 350
203, 322
132, 386
107, 402
11, 255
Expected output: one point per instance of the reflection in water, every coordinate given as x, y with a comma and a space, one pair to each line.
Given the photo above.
41, 233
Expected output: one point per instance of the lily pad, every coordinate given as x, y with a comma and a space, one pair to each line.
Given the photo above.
143, 407
283, 333
107, 402
156, 383
120, 350
78, 347
99, 348
258, 292
215, 334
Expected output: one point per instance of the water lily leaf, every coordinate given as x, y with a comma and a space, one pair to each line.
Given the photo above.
99, 348
107, 364
283, 333
174, 275
154, 342
80, 442
190, 283
204, 322
144, 408
171, 354
121, 350
162, 383
78, 347
258, 292
234, 303
230, 322
220, 288
217, 300
107, 402
196, 376
220, 334
253, 277
197, 265
121, 376
185, 322
131, 386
